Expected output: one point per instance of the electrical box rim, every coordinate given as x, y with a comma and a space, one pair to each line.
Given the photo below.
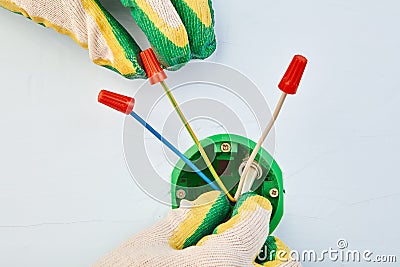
274, 173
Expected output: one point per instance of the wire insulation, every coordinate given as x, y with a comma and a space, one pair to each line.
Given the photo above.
174, 149
253, 155
196, 141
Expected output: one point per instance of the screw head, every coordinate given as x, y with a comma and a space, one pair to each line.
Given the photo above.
181, 194
226, 147
274, 192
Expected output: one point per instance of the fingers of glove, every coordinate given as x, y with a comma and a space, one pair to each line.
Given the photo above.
162, 256
186, 225
198, 18
91, 26
275, 253
164, 29
245, 233
124, 49
206, 213
182, 227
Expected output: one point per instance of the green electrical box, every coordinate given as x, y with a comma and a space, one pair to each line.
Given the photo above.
227, 153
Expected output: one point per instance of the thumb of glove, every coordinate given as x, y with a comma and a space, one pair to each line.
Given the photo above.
238, 241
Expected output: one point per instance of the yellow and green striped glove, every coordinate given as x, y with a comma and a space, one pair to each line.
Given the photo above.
178, 30
206, 232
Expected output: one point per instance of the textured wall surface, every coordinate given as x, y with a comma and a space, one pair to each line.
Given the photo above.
66, 196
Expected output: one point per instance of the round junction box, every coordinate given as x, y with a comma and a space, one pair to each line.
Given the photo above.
227, 152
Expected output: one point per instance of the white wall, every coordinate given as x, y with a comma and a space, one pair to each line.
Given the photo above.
66, 196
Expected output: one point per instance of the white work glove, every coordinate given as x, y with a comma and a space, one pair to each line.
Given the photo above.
198, 236
178, 30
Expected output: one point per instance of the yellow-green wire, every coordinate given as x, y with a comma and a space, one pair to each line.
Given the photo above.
197, 142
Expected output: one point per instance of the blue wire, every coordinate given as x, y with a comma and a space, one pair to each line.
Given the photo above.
174, 149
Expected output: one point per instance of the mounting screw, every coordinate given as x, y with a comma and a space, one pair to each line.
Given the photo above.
181, 194
274, 192
225, 147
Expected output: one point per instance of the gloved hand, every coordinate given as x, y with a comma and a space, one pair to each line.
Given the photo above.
178, 30
198, 236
